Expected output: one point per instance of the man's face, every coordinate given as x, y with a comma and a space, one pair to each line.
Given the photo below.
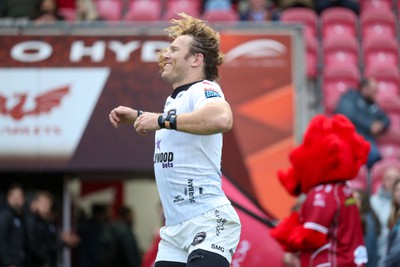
16, 199
177, 60
42, 206
389, 178
370, 90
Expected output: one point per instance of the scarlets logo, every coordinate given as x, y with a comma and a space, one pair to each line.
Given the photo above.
44, 103
45, 111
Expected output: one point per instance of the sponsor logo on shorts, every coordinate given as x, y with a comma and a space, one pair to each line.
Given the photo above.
216, 247
199, 238
220, 223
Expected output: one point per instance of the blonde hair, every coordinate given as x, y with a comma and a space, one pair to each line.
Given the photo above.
206, 41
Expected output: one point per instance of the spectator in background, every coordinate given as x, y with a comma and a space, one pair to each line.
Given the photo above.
150, 255
128, 250
392, 258
257, 11
381, 203
12, 233
98, 247
47, 12
43, 242
285, 4
371, 226
368, 118
86, 10
18, 8
321, 5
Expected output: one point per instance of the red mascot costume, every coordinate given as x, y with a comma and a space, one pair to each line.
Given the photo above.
327, 229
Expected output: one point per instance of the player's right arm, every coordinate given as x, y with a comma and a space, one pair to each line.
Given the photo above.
122, 115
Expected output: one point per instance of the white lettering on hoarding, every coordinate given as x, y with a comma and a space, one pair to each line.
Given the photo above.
37, 130
123, 51
79, 50
150, 48
36, 51
31, 51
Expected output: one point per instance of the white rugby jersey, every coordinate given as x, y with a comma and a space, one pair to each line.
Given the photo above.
187, 166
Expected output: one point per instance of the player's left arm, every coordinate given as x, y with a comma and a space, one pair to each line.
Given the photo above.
214, 117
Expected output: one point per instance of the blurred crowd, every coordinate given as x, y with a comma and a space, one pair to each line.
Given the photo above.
380, 216
30, 233
42, 11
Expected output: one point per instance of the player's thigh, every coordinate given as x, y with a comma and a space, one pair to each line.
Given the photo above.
169, 264
204, 258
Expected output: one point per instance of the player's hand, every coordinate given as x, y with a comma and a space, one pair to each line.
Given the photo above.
122, 115
146, 122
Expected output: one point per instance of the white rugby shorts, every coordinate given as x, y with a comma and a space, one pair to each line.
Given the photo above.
217, 231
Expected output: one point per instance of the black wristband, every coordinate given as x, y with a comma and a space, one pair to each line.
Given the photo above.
161, 121
167, 123
139, 112
172, 122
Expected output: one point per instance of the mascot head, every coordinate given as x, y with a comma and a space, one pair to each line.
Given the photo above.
331, 151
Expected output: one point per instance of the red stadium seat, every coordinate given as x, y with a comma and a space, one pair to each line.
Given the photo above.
338, 21
187, 6
388, 102
387, 77
378, 170
302, 15
197, 4
221, 15
342, 50
392, 135
389, 150
143, 10
338, 79
69, 14
109, 9
367, 4
377, 21
380, 50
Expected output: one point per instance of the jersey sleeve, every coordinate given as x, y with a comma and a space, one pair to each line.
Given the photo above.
204, 93
318, 210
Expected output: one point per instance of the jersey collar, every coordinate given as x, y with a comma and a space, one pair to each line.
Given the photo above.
182, 88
